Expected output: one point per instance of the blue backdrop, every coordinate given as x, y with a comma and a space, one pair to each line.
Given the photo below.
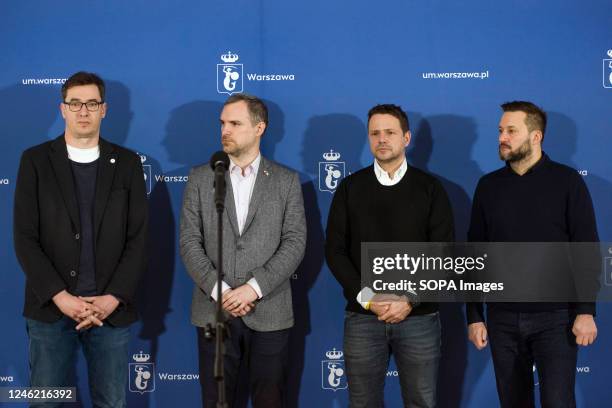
320, 65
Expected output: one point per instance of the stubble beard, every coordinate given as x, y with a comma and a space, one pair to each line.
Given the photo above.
388, 159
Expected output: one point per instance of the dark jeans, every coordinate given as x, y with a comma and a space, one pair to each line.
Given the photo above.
518, 340
265, 355
53, 349
415, 344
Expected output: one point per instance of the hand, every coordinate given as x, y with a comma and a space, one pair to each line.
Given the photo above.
584, 329
397, 311
379, 308
74, 307
105, 303
244, 311
236, 300
87, 322
379, 304
477, 333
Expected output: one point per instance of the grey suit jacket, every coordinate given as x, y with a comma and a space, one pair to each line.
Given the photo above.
270, 248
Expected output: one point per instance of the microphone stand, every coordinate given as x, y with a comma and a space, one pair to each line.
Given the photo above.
221, 329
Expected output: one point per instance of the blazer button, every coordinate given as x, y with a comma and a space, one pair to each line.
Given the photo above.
73, 273
239, 247
77, 236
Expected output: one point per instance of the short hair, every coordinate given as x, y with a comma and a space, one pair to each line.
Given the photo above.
393, 110
258, 111
536, 117
83, 78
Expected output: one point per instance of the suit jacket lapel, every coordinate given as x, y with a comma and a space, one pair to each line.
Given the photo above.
63, 173
104, 181
259, 191
230, 204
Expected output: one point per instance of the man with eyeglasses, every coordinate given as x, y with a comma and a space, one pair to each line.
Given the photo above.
80, 223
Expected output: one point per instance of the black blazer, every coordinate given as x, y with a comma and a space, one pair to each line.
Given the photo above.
46, 227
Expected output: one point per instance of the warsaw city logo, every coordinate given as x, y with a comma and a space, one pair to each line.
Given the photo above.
608, 268
331, 171
332, 371
142, 374
146, 168
607, 71
229, 74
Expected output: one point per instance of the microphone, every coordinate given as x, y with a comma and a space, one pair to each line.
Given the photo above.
219, 162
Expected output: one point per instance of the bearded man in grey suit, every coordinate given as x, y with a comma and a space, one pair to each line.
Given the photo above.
264, 236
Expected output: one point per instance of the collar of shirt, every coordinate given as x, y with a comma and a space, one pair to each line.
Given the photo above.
252, 168
83, 155
383, 177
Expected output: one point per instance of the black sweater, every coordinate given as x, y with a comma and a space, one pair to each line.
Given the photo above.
416, 209
85, 187
549, 203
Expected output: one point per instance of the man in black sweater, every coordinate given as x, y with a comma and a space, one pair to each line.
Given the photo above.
531, 199
389, 201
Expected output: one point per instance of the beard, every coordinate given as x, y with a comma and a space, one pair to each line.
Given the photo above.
519, 154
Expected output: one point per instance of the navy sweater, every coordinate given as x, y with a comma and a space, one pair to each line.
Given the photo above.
549, 203
85, 185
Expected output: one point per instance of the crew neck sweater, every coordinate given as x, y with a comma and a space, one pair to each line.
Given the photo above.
549, 203
416, 209
85, 175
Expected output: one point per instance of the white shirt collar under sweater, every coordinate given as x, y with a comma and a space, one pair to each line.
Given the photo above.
83, 155
383, 176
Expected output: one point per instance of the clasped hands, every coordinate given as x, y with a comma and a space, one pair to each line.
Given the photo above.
390, 308
239, 301
86, 311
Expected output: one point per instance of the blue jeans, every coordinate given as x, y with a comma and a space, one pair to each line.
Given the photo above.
518, 340
53, 349
368, 344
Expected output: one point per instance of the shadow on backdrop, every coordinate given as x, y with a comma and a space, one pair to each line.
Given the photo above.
274, 133
116, 125
29, 113
443, 144
344, 134
153, 296
191, 136
341, 132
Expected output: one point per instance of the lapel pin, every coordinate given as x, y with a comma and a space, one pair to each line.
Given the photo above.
266, 173
112, 161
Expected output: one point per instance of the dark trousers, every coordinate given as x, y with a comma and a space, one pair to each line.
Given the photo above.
263, 355
518, 340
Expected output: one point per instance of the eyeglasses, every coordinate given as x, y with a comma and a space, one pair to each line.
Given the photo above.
76, 106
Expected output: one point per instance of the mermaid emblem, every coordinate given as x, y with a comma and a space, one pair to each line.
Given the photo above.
607, 71
142, 374
333, 374
331, 171
229, 74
